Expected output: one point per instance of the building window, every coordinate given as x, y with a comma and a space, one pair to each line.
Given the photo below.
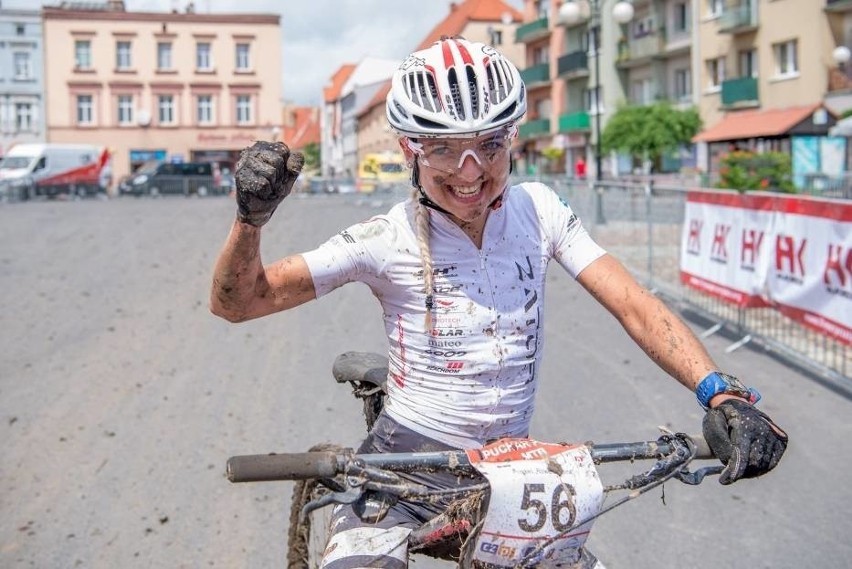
748, 63
715, 73
83, 54
203, 60
20, 29
23, 117
166, 109
715, 7
681, 17
591, 98
204, 109
85, 110
243, 57
642, 91
122, 55
244, 109
496, 37
164, 55
542, 8
125, 110
23, 65
786, 58
683, 84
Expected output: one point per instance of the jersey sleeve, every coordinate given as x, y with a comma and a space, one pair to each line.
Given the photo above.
570, 244
351, 255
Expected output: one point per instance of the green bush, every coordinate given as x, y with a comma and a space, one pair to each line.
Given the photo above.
744, 170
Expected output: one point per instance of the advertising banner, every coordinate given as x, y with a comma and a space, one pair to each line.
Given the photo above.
792, 253
723, 246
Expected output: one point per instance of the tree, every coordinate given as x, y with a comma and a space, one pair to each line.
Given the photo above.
649, 132
312, 157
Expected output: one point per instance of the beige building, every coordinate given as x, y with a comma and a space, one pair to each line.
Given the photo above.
162, 86
765, 70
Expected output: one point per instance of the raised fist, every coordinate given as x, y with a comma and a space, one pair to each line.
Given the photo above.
264, 176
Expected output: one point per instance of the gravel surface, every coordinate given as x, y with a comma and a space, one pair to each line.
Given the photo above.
121, 397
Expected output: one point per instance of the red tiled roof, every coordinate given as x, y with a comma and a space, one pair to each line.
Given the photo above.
332, 92
756, 124
469, 11
305, 128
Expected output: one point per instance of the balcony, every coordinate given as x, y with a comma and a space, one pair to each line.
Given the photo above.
573, 64
536, 75
533, 128
738, 19
641, 50
532, 31
573, 122
738, 93
838, 6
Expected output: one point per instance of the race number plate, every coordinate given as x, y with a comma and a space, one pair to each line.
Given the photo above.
538, 490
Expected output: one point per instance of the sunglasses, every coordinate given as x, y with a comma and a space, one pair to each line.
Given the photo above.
448, 154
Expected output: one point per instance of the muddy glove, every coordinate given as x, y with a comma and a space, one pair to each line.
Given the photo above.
743, 438
264, 176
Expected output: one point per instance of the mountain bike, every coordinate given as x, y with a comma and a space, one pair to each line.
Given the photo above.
519, 502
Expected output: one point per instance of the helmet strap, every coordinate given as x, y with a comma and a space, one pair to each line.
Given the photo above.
423, 199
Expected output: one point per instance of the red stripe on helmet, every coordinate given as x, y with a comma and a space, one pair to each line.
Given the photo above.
449, 60
464, 53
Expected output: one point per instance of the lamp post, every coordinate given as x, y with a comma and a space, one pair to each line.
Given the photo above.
573, 12
841, 56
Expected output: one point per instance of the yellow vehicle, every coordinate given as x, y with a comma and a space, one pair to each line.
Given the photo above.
378, 170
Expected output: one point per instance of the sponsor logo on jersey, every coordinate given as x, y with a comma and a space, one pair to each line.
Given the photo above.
446, 353
444, 343
446, 332
449, 367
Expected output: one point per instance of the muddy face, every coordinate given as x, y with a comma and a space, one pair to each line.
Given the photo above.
468, 192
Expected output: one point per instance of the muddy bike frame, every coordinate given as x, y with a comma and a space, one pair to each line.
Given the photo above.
377, 473
340, 476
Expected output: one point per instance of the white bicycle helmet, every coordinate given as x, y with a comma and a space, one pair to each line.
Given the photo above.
455, 88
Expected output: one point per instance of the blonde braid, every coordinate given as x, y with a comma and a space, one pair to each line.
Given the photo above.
421, 222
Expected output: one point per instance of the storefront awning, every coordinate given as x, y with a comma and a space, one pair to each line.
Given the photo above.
756, 124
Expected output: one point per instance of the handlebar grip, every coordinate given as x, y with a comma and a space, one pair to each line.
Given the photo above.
290, 466
701, 447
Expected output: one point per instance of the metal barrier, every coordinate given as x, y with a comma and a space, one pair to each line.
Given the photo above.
641, 224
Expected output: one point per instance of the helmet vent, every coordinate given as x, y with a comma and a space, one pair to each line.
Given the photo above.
473, 89
422, 91
455, 92
499, 81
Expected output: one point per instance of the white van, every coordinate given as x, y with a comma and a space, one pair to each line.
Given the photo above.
30, 170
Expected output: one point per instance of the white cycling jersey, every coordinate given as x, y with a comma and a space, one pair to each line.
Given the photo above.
471, 378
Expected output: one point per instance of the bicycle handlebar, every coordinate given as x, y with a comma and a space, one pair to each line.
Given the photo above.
326, 464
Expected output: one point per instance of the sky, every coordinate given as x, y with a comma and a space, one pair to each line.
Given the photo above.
318, 36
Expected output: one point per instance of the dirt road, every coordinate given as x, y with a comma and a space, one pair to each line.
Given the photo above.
121, 397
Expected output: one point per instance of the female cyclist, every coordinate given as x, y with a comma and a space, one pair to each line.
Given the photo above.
459, 271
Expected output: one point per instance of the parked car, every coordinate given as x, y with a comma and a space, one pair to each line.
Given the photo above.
227, 183
320, 185
345, 186
184, 178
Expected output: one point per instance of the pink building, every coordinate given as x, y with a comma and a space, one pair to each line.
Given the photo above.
162, 86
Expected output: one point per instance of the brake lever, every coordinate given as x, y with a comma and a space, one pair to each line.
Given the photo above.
347, 497
695, 478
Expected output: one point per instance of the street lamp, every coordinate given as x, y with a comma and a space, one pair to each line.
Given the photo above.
573, 12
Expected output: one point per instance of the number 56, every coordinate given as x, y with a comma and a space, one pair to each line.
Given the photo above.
557, 505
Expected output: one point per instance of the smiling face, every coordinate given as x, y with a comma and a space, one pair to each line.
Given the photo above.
463, 176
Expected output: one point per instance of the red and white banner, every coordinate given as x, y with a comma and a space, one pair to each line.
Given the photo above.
793, 253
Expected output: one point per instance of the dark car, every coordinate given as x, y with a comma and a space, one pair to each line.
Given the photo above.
184, 178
